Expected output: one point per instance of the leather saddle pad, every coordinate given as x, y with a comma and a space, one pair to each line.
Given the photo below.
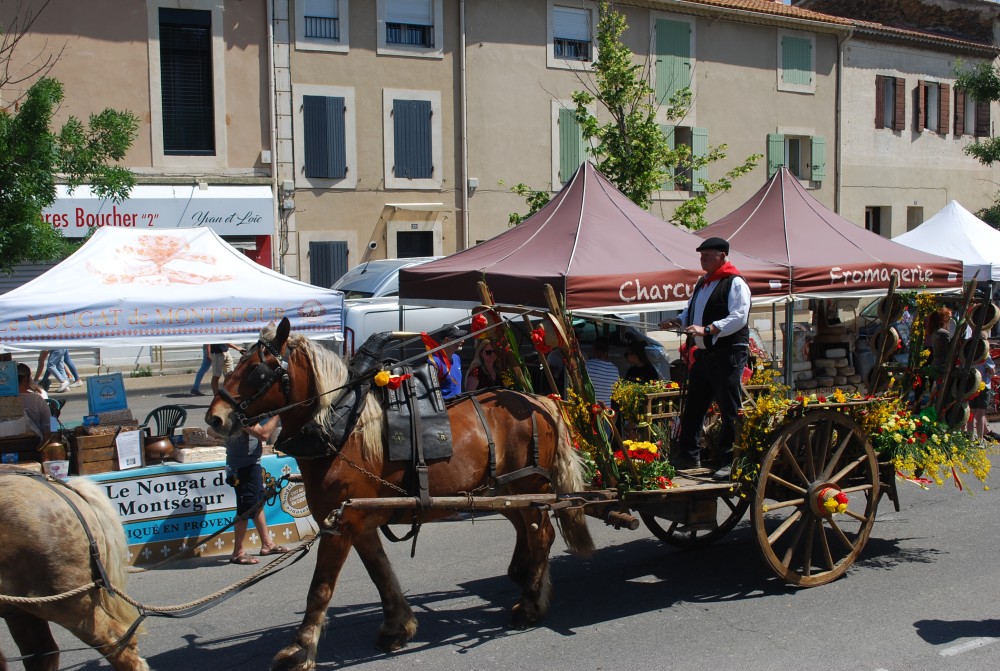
423, 398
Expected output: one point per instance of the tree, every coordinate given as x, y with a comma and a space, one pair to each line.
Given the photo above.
630, 149
982, 83
33, 157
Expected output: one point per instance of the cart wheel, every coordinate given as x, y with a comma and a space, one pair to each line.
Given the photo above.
694, 533
816, 498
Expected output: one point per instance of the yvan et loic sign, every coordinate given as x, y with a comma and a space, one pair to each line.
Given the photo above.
227, 210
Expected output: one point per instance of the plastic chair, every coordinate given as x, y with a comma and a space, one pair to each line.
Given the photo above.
165, 419
55, 406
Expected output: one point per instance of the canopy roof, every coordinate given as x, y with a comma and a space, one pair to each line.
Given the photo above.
956, 232
171, 286
828, 255
595, 247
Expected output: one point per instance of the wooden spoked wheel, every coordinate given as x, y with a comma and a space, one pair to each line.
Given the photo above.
706, 520
816, 498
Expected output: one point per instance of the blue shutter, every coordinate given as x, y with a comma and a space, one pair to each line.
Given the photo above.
796, 61
325, 140
818, 151
412, 139
673, 58
327, 262
668, 179
775, 153
572, 149
699, 148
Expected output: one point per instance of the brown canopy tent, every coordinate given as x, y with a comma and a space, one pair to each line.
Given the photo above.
829, 256
597, 248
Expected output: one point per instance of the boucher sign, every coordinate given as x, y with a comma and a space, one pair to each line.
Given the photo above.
228, 210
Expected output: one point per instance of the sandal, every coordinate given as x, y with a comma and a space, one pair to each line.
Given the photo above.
243, 558
276, 550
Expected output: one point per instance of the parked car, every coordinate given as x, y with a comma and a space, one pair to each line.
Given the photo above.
364, 317
375, 279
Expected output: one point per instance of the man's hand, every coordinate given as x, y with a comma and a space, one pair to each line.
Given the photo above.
697, 330
670, 325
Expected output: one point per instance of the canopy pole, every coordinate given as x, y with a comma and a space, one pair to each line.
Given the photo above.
789, 341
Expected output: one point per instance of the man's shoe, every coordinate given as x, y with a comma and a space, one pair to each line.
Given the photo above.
724, 474
683, 463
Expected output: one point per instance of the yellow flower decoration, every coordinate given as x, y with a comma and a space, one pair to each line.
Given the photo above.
382, 378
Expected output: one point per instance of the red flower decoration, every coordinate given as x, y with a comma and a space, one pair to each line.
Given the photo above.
841, 497
396, 380
479, 322
538, 340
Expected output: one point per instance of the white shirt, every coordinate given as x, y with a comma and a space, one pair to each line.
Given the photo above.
739, 309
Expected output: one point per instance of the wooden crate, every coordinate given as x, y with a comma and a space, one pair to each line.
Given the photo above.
94, 454
94, 467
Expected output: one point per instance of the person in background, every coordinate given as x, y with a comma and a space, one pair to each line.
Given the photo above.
36, 408
640, 369
206, 363
53, 361
71, 371
483, 370
979, 402
243, 452
222, 362
602, 373
447, 361
718, 317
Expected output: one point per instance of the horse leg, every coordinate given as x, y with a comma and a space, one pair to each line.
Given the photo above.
33, 637
398, 622
91, 623
517, 571
536, 587
330, 558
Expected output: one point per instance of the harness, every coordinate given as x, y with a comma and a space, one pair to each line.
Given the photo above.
264, 377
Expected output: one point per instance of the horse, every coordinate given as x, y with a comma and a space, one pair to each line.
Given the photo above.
289, 373
44, 551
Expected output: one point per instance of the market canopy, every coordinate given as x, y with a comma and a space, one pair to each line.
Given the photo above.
956, 232
594, 246
828, 255
158, 287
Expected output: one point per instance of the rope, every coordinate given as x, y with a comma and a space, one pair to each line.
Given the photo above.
27, 600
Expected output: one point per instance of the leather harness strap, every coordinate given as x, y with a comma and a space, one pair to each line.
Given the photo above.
534, 469
491, 444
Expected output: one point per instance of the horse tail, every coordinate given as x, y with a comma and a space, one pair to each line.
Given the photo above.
567, 476
110, 536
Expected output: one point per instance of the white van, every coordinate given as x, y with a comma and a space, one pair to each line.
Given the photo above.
365, 316
373, 279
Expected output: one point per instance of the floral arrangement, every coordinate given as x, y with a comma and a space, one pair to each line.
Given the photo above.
653, 471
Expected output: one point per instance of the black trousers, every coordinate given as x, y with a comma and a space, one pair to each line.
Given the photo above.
715, 376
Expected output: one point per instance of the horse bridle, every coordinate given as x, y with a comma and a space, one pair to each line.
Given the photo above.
265, 377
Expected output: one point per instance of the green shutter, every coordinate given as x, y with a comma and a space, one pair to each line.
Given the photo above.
673, 58
699, 148
775, 153
818, 159
571, 146
796, 61
668, 179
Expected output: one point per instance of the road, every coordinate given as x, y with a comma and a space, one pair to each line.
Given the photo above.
923, 597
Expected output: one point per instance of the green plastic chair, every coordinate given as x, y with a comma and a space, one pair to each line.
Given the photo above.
165, 420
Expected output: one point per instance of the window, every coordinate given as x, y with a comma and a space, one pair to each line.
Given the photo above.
914, 217
187, 92
412, 128
686, 178
890, 102
878, 220
327, 262
321, 25
186, 82
796, 62
803, 155
972, 117
410, 28
673, 58
324, 137
569, 149
933, 106
570, 43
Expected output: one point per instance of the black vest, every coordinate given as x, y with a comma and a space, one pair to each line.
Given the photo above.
716, 308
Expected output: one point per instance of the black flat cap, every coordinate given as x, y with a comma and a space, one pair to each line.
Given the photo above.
714, 243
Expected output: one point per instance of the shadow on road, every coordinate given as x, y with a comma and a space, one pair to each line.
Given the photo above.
939, 632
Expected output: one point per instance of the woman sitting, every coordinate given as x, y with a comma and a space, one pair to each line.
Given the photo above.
483, 371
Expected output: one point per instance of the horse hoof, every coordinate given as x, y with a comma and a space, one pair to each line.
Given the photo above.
390, 641
292, 658
523, 618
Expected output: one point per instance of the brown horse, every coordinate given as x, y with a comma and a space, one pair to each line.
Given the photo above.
44, 550
358, 468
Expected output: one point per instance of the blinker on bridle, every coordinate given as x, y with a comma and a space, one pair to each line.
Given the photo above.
264, 376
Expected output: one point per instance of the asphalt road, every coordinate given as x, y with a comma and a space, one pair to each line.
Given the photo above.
923, 597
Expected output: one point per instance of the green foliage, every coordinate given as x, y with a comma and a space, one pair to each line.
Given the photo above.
982, 82
536, 200
31, 158
991, 214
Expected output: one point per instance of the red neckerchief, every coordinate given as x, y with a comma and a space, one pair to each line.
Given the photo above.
725, 270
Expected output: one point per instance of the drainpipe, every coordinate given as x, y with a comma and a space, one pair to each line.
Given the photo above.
838, 133
464, 121
272, 119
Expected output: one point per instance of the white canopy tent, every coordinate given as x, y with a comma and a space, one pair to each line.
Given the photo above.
957, 233
182, 286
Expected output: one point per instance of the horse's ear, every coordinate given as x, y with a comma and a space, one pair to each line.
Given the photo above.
281, 335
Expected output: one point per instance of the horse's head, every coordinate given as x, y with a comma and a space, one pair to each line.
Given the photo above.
259, 384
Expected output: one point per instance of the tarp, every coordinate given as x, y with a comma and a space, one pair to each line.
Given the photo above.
829, 256
595, 247
159, 287
956, 232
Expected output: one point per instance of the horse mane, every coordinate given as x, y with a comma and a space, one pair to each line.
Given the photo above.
330, 373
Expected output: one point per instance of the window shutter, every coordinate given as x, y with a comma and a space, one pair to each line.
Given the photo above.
412, 139
325, 145
326, 9
668, 178
409, 12
818, 151
944, 101
186, 82
796, 60
327, 262
899, 119
571, 24
982, 118
959, 113
572, 151
775, 153
921, 93
880, 101
673, 58
699, 148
